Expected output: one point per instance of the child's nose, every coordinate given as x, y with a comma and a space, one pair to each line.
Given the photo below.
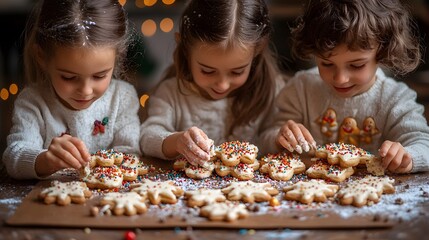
340, 76
223, 83
85, 88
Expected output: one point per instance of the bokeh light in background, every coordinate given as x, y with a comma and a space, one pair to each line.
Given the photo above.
148, 28
168, 2
150, 3
122, 2
143, 99
140, 3
13, 89
166, 25
4, 94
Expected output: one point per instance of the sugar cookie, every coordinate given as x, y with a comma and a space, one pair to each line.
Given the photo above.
346, 155
310, 191
324, 170
224, 211
126, 203
363, 191
64, 193
204, 196
158, 192
249, 191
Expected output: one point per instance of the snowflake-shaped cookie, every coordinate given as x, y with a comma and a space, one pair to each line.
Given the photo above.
311, 191
224, 211
204, 196
363, 191
63, 193
128, 203
233, 152
242, 171
249, 191
158, 192
281, 166
346, 155
324, 170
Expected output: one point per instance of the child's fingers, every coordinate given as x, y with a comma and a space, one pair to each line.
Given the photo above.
282, 141
82, 155
64, 149
199, 143
56, 162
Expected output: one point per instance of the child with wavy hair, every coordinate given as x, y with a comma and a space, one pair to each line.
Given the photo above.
72, 106
348, 97
221, 85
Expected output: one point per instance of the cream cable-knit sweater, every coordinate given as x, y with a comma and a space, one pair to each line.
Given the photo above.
39, 116
390, 103
170, 111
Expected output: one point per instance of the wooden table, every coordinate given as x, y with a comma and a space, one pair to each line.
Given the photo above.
12, 192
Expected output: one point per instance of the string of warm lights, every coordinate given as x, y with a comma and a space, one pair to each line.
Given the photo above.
5, 93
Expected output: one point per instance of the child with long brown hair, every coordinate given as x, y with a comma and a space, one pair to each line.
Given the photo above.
222, 83
72, 106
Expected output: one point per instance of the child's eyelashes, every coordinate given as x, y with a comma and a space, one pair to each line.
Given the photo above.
358, 66
68, 78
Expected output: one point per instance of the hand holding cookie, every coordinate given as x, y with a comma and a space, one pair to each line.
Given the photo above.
395, 158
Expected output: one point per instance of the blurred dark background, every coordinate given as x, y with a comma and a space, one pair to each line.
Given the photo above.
155, 22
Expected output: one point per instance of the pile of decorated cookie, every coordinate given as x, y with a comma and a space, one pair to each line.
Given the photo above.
109, 168
335, 162
230, 158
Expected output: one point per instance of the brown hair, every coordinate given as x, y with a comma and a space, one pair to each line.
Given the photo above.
231, 23
71, 23
360, 25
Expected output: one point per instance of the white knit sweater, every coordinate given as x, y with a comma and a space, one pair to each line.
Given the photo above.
39, 116
170, 111
391, 104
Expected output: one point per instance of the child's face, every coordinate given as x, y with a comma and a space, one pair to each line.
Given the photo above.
81, 75
348, 73
219, 71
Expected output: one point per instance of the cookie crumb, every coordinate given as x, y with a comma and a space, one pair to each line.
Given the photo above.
399, 201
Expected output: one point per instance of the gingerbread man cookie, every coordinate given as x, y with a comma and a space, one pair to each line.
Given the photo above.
233, 152
369, 129
346, 155
64, 193
158, 192
282, 166
349, 131
204, 196
311, 191
328, 123
322, 169
128, 203
224, 211
249, 191
366, 190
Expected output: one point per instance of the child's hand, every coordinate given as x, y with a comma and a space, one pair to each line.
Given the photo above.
395, 158
194, 145
295, 137
64, 152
